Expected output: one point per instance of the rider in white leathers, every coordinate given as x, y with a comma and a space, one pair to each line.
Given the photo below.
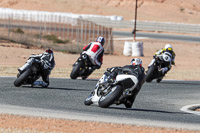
95, 52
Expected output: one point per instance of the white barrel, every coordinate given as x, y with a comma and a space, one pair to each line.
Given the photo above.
127, 48
137, 49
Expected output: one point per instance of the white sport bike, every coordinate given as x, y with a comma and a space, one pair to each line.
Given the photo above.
108, 93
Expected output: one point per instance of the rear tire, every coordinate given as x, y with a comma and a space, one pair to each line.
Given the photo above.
108, 99
20, 80
150, 72
75, 71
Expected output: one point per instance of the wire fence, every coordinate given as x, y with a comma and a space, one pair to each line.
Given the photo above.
64, 34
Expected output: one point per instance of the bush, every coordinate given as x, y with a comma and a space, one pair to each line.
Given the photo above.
18, 30
55, 39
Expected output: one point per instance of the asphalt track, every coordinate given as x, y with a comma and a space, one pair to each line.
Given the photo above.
157, 104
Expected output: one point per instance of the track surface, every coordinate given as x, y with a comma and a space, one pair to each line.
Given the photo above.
155, 102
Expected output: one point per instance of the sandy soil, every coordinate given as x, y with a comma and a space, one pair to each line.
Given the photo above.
187, 59
24, 124
14, 55
183, 11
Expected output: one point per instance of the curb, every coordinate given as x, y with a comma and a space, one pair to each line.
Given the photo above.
191, 109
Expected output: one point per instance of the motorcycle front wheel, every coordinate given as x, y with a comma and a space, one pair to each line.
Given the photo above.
150, 72
88, 100
20, 80
110, 96
76, 69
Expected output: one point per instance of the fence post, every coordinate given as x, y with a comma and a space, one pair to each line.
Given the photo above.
89, 31
81, 31
93, 31
77, 36
85, 33
9, 27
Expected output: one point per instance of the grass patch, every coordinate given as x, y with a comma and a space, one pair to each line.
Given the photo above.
55, 39
182, 9
18, 30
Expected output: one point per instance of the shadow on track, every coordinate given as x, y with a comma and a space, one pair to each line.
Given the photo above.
57, 88
178, 82
147, 110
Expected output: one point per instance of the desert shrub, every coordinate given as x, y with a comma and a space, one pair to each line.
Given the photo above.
55, 39
18, 30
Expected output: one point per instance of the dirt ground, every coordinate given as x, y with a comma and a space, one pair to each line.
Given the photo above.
14, 55
182, 11
186, 67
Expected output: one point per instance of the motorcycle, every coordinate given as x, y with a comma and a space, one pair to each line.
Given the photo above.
81, 67
107, 93
154, 70
29, 76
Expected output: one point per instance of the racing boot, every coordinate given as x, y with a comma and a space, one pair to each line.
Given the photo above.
158, 80
39, 83
130, 99
90, 70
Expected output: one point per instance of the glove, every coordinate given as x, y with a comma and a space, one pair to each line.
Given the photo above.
110, 79
163, 71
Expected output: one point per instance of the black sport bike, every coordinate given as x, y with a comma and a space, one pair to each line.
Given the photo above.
154, 71
81, 67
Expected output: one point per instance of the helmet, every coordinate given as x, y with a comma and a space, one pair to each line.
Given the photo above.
101, 40
136, 61
49, 51
168, 46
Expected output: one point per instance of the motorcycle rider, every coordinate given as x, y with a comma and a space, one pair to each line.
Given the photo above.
135, 69
47, 64
168, 48
95, 52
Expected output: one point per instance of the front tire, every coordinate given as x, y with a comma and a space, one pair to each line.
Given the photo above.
76, 69
109, 98
20, 80
88, 100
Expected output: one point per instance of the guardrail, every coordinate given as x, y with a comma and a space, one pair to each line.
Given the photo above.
149, 25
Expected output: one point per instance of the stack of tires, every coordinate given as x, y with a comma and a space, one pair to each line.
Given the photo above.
133, 49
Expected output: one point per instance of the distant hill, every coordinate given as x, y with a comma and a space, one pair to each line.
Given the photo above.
182, 11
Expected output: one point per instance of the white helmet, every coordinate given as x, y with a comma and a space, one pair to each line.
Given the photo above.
168, 46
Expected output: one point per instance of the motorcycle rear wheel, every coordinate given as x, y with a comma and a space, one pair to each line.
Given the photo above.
110, 97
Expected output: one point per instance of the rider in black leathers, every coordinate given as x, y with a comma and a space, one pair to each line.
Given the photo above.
47, 63
135, 69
